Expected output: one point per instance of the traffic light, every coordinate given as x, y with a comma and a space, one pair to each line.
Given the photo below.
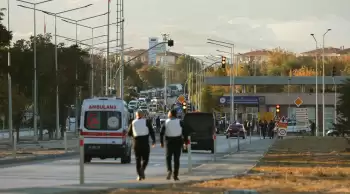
184, 107
223, 62
334, 71
170, 43
277, 108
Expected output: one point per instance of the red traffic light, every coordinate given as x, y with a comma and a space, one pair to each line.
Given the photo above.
277, 106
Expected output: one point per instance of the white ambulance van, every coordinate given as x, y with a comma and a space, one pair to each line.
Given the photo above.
104, 125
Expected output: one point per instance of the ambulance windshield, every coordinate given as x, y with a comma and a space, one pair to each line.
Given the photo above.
103, 120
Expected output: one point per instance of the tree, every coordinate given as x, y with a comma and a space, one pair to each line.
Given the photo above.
343, 111
151, 76
5, 35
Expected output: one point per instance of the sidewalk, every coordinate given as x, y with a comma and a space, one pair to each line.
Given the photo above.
225, 167
41, 150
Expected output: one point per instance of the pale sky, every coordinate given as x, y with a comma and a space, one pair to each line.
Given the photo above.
250, 24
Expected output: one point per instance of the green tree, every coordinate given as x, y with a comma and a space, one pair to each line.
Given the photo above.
343, 111
151, 76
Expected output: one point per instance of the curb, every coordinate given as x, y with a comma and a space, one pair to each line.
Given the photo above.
36, 158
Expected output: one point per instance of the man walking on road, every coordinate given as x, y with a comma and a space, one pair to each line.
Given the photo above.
140, 129
175, 136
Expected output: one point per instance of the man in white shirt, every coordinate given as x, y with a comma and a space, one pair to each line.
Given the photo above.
175, 137
140, 129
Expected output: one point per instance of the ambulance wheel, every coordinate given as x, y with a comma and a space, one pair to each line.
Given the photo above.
87, 159
126, 159
212, 150
184, 150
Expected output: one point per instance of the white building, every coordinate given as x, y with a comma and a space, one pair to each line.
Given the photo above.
170, 58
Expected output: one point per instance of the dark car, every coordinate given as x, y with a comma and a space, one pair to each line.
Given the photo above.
201, 127
236, 130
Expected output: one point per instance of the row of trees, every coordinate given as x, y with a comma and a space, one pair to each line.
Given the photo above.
71, 59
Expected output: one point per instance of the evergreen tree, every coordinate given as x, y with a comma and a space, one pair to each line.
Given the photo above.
343, 108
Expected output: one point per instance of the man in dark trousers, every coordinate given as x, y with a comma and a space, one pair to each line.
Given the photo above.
158, 124
140, 129
175, 137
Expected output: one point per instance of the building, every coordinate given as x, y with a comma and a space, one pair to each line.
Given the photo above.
170, 57
254, 56
128, 55
329, 52
152, 53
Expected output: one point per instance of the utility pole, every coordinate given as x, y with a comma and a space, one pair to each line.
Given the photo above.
107, 61
120, 17
165, 64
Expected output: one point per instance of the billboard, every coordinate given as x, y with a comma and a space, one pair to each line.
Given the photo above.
152, 53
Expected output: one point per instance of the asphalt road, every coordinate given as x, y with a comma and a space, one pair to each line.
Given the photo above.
66, 171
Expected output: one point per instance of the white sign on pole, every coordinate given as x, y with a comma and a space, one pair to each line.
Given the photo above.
301, 114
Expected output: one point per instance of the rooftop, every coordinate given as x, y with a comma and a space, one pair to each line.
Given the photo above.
135, 52
328, 50
262, 52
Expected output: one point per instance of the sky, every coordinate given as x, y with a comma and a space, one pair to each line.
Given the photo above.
249, 24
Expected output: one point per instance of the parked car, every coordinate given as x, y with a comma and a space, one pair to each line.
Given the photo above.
236, 130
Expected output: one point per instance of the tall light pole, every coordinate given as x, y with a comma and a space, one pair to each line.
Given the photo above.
121, 73
10, 122
56, 58
165, 64
316, 111
107, 59
92, 47
76, 22
233, 115
323, 86
35, 111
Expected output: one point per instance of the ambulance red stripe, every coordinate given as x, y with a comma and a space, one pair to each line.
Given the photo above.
102, 134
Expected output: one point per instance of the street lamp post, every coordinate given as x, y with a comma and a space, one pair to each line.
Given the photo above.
323, 86
76, 22
165, 60
10, 122
56, 58
313, 35
92, 46
35, 109
233, 115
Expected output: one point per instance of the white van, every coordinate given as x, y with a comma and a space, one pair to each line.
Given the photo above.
104, 125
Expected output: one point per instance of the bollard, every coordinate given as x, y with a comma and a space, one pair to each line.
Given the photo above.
214, 155
81, 144
14, 151
260, 133
250, 137
238, 137
65, 141
229, 143
189, 155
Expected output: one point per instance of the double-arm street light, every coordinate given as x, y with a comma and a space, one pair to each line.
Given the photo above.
76, 22
93, 44
323, 85
56, 55
35, 109
317, 125
233, 115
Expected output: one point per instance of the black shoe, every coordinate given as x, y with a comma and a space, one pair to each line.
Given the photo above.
168, 177
143, 176
176, 178
139, 178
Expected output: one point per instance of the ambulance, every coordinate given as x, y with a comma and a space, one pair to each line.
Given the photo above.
104, 125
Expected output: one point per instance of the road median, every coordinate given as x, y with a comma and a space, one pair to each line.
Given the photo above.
291, 165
